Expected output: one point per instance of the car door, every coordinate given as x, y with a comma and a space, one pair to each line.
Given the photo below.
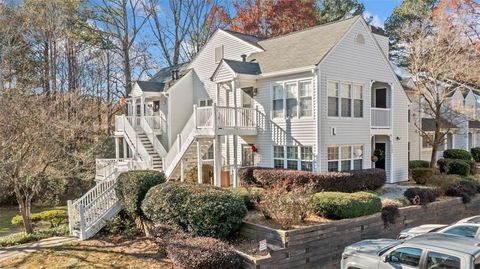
443, 260
402, 258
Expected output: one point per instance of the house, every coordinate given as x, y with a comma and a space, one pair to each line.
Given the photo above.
320, 99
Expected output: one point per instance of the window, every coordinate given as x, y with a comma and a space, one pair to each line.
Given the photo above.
406, 256
357, 157
292, 157
345, 158
442, 261
332, 153
425, 140
218, 54
205, 102
278, 101
358, 101
332, 89
306, 93
291, 99
306, 158
467, 231
278, 157
209, 155
346, 100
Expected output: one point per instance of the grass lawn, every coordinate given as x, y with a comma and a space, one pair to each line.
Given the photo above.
7, 213
140, 253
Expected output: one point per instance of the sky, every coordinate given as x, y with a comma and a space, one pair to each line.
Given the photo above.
380, 10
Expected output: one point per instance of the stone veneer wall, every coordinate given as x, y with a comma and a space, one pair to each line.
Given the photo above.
320, 246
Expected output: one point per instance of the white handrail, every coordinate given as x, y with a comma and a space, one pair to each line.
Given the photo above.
152, 137
135, 143
183, 138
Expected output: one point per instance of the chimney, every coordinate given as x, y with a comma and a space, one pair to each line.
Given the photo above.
244, 57
176, 74
173, 74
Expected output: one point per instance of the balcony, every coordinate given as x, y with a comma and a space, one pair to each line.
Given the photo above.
227, 120
380, 118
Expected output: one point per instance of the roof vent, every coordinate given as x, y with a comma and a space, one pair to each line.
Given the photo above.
360, 39
244, 57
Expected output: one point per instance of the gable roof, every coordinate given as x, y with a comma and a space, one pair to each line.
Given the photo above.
150, 86
302, 48
251, 39
246, 68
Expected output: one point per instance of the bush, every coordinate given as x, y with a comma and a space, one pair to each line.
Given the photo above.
200, 209
339, 205
192, 175
287, 208
202, 253
132, 186
456, 167
418, 164
251, 196
352, 181
420, 196
55, 217
443, 182
464, 189
390, 202
389, 214
458, 154
475, 154
422, 175
245, 175
22, 238
123, 224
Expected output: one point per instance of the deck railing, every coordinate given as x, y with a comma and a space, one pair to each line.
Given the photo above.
380, 118
225, 117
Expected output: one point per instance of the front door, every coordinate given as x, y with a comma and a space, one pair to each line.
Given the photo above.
248, 157
380, 152
381, 98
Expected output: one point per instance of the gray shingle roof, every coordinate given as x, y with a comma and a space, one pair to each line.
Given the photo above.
151, 86
246, 68
253, 40
301, 48
474, 124
428, 125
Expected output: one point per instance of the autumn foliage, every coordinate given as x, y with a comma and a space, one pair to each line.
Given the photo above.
272, 18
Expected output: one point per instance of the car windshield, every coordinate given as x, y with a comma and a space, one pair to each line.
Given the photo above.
382, 251
464, 230
474, 220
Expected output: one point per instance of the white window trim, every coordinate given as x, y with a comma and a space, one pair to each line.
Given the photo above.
352, 159
206, 102
352, 99
297, 82
299, 159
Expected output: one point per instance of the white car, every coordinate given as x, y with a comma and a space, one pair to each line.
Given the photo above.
468, 227
419, 230
474, 219
428, 251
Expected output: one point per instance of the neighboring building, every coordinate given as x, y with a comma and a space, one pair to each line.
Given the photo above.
320, 99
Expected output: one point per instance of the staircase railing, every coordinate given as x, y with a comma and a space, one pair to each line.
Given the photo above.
134, 141
152, 137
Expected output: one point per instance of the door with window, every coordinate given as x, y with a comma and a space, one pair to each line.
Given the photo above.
402, 258
380, 98
248, 157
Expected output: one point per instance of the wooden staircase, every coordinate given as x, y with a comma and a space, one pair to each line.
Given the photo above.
157, 162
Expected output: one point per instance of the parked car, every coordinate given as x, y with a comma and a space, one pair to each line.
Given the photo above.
466, 229
429, 251
474, 219
419, 230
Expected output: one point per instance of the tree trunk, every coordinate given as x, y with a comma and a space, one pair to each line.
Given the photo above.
25, 209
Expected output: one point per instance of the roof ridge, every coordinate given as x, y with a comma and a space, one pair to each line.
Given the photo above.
240, 33
310, 28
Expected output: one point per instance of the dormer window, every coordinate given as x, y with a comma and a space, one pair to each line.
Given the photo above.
218, 54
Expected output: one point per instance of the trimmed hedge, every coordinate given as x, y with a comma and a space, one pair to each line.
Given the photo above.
456, 167
339, 205
475, 154
420, 196
418, 164
132, 186
199, 209
55, 217
251, 196
465, 189
459, 154
352, 181
202, 253
422, 175
245, 174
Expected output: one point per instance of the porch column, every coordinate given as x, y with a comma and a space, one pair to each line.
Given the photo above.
199, 163
117, 148
235, 161
142, 106
182, 171
217, 161
125, 151
134, 107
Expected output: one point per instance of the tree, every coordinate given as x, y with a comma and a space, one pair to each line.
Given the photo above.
334, 10
273, 17
441, 59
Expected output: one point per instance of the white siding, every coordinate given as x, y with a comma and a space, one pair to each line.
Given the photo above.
353, 62
180, 103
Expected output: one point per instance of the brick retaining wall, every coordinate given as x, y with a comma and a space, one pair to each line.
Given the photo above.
320, 246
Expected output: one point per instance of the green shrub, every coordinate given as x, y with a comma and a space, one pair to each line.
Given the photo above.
422, 175
123, 224
456, 166
339, 205
251, 196
458, 154
475, 154
287, 208
55, 217
443, 182
22, 238
418, 164
199, 209
202, 253
133, 185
